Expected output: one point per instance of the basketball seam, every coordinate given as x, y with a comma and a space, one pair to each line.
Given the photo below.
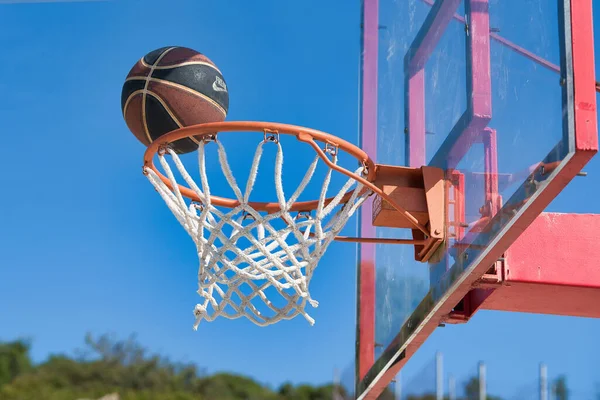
148, 77
139, 91
183, 64
169, 111
184, 88
137, 72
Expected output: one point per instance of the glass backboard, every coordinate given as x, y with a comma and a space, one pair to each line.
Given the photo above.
485, 90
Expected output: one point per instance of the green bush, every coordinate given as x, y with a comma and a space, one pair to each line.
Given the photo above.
108, 366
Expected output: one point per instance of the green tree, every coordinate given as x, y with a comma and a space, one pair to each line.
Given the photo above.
106, 365
14, 360
306, 392
231, 387
427, 396
472, 390
560, 389
286, 390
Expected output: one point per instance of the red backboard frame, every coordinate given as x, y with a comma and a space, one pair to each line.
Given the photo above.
373, 376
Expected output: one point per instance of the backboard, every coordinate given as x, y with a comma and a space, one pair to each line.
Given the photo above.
500, 95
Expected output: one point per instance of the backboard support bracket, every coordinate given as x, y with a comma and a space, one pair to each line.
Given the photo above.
422, 192
481, 289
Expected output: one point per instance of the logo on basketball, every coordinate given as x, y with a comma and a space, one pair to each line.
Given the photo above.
219, 85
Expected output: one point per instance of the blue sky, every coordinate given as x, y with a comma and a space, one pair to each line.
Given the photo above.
87, 245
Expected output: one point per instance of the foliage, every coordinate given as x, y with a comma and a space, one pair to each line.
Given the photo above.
14, 360
472, 390
108, 366
427, 396
559, 388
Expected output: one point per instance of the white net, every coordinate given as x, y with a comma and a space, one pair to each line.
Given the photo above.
248, 257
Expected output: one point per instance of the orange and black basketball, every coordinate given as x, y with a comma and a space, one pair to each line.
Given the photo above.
170, 88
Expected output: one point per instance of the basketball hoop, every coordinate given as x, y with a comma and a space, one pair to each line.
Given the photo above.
234, 279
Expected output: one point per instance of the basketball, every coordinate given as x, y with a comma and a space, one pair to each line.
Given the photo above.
170, 88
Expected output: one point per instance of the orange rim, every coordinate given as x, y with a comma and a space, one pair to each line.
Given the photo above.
306, 135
